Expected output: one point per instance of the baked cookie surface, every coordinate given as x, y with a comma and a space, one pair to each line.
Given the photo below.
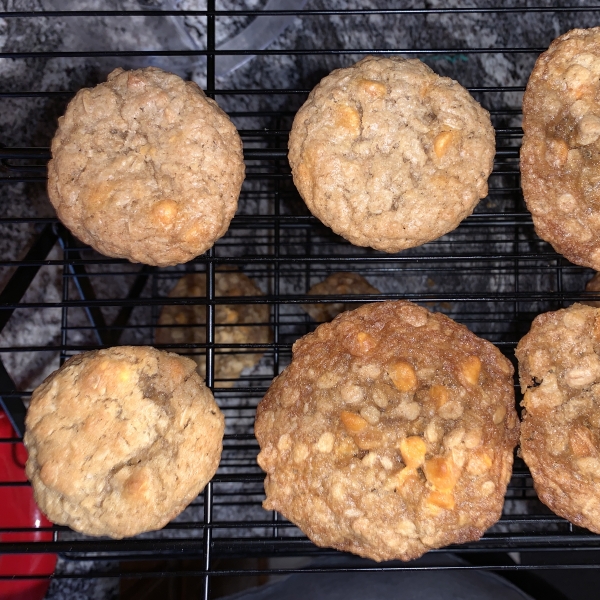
560, 155
389, 154
593, 285
121, 440
337, 284
559, 371
146, 167
187, 323
390, 433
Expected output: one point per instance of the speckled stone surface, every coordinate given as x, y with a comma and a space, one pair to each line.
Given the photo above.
32, 122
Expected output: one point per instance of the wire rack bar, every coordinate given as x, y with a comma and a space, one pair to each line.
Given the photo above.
303, 12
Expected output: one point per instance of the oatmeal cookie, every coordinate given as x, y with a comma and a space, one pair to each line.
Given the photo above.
391, 433
235, 323
560, 155
146, 167
593, 285
389, 154
559, 371
337, 284
121, 440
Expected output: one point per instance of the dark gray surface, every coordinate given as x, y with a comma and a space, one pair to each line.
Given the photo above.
388, 585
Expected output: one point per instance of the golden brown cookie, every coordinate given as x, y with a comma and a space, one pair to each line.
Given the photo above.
390, 433
337, 284
593, 285
560, 156
121, 440
390, 155
187, 323
559, 370
146, 167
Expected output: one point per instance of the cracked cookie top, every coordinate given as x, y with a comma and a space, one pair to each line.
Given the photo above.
146, 167
390, 433
559, 370
121, 440
389, 154
560, 155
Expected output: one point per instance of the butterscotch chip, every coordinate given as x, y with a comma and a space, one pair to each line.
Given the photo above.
559, 370
560, 155
337, 284
121, 440
384, 474
389, 154
235, 323
146, 167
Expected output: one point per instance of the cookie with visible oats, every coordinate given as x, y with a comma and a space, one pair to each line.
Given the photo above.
593, 285
560, 155
389, 154
235, 323
390, 433
121, 440
559, 371
146, 167
337, 284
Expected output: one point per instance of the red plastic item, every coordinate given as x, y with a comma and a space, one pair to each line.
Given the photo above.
18, 509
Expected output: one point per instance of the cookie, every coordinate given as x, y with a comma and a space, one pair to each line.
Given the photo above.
390, 433
235, 323
559, 371
337, 284
389, 154
560, 155
593, 285
121, 440
146, 167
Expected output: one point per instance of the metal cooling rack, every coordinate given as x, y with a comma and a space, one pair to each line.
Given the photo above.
492, 274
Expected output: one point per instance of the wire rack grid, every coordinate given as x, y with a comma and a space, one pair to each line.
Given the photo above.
492, 274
